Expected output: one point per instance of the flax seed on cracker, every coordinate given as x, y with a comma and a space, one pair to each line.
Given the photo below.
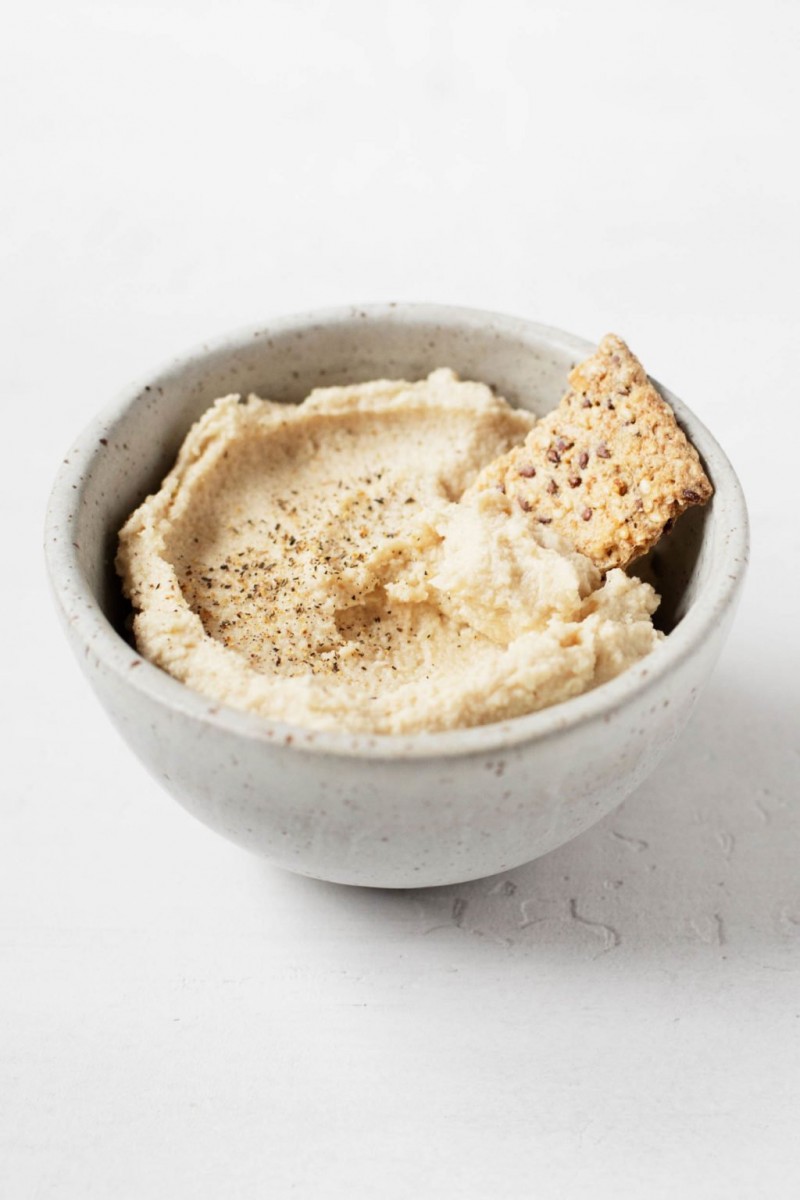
613, 440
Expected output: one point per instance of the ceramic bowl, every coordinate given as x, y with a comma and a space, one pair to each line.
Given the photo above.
375, 810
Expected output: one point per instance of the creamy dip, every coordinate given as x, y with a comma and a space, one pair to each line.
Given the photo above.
315, 563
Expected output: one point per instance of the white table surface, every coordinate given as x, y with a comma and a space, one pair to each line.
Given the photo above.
621, 1018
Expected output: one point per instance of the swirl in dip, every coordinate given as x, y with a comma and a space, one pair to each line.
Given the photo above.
315, 563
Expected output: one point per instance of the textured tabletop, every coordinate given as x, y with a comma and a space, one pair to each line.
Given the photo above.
621, 1018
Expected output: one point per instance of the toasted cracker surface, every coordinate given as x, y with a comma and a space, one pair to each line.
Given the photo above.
609, 468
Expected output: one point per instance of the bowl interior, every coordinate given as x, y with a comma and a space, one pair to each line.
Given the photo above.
133, 446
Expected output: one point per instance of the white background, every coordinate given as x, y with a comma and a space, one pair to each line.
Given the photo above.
619, 1019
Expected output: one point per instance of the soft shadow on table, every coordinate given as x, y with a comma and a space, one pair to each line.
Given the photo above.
705, 853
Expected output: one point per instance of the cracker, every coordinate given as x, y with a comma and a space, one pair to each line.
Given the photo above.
609, 469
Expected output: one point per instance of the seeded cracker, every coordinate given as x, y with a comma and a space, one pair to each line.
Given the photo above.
609, 469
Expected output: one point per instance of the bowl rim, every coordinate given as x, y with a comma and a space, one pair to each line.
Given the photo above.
91, 628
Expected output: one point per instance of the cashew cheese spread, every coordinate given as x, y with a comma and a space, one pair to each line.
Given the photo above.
316, 563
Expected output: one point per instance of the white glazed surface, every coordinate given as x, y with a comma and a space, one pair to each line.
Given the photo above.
405, 812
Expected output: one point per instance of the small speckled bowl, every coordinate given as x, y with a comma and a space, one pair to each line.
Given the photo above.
383, 811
